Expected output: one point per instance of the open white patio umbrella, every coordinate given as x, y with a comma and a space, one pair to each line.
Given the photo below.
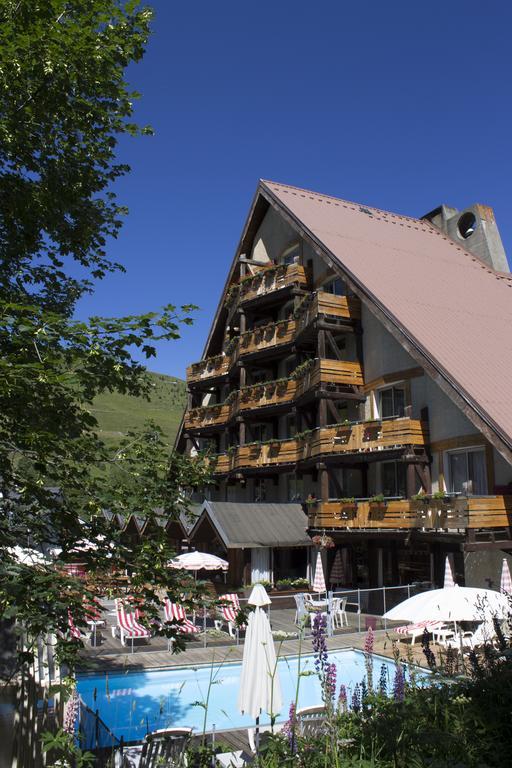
451, 604
449, 581
506, 581
319, 580
27, 556
260, 688
199, 561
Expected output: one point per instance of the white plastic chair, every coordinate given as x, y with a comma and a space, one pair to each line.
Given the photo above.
339, 613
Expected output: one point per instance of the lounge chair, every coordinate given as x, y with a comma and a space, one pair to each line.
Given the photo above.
484, 634
167, 747
175, 614
75, 632
311, 720
416, 630
128, 625
229, 612
264, 731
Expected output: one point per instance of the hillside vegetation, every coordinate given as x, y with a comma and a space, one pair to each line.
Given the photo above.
117, 414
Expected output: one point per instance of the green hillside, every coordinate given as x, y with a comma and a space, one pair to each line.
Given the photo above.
117, 414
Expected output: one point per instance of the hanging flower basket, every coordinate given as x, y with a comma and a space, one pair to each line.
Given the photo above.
323, 542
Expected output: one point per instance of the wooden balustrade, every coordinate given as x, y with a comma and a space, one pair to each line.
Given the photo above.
209, 415
266, 337
478, 512
270, 280
355, 438
322, 303
210, 368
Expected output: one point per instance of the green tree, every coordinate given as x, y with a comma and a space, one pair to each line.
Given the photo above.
64, 102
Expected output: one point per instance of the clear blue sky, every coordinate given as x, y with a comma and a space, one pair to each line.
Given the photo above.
400, 105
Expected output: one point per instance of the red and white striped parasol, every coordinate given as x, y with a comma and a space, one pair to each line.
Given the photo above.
506, 581
448, 573
319, 581
337, 571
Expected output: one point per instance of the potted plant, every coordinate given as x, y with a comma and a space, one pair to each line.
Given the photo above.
378, 506
282, 584
323, 541
348, 508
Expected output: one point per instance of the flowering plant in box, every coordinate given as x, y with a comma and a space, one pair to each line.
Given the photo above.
324, 542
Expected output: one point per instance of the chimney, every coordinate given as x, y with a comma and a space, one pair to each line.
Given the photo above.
475, 229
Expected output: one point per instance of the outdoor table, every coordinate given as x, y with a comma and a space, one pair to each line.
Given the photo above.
94, 623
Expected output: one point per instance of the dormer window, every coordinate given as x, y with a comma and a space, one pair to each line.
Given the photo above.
391, 402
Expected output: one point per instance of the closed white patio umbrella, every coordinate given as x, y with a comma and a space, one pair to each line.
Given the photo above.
260, 688
506, 581
451, 604
449, 581
319, 580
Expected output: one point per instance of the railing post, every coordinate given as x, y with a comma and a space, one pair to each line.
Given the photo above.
204, 626
96, 728
408, 590
358, 610
384, 605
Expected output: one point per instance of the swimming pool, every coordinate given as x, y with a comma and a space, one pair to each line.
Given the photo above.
133, 703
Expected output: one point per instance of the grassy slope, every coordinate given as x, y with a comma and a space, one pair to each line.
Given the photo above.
116, 414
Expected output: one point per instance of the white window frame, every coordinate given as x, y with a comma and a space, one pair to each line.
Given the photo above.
288, 250
377, 410
466, 450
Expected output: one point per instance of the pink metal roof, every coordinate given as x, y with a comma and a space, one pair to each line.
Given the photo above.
457, 310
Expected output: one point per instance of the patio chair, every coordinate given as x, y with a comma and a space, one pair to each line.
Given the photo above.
167, 747
339, 613
229, 612
484, 634
75, 632
416, 630
300, 608
311, 720
174, 613
128, 625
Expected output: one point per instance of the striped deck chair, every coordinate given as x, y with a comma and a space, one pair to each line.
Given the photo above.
128, 625
229, 611
174, 612
416, 630
74, 631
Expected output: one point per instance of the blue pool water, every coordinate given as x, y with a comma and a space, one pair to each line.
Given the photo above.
131, 703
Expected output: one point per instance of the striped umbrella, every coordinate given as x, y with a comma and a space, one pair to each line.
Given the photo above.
448, 573
337, 572
506, 581
319, 582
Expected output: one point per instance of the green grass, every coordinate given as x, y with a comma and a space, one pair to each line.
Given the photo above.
117, 414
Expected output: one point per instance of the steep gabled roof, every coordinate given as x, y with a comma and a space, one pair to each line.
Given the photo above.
451, 312
255, 525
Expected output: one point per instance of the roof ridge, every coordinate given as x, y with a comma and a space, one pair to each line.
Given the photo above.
343, 201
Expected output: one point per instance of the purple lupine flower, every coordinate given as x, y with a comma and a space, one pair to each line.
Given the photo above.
319, 644
71, 708
342, 699
383, 680
356, 698
290, 726
330, 682
399, 684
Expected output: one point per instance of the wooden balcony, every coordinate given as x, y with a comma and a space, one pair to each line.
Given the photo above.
210, 368
328, 305
270, 280
267, 337
209, 415
477, 512
356, 438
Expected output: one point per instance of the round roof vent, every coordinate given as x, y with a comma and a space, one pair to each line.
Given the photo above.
466, 225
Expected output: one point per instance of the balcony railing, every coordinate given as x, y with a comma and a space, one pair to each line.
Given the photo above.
326, 441
329, 305
281, 391
266, 337
271, 279
210, 368
478, 512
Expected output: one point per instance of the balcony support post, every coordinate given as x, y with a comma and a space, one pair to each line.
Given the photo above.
321, 345
242, 322
411, 488
323, 479
322, 412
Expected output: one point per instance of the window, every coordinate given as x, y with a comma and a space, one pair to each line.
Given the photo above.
336, 286
392, 402
466, 472
291, 255
393, 478
260, 433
